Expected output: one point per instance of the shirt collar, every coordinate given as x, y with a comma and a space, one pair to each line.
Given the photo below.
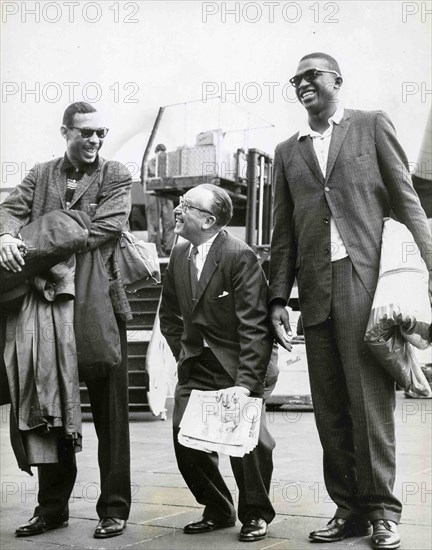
203, 248
336, 118
88, 169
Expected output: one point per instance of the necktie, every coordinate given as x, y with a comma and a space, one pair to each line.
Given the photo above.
193, 271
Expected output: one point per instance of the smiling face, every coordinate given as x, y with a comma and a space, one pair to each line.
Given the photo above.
320, 95
83, 150
195, 223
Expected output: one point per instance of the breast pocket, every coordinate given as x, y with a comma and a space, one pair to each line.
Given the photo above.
221, 297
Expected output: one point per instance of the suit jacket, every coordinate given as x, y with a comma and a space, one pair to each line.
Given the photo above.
230, 312
367, 176
104, 197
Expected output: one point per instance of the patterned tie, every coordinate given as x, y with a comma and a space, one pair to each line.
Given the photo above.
193, 271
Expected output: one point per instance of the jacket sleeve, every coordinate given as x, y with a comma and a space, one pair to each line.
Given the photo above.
283, 246
250, 296
113, 207
171, 321
16, 208
405, 203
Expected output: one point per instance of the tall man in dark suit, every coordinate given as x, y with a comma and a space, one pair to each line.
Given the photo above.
75, 181
215, 319
335, 181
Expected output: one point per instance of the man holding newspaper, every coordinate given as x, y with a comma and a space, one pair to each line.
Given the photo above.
214, 316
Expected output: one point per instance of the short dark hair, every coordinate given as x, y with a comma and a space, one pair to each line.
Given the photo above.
330, 61
222, 206
79, 107
160, 147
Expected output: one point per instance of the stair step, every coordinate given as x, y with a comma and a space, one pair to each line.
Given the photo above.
148, 292
144, 306
138, 325
144, 299
137, 348
141, 321
138, 378
136, 363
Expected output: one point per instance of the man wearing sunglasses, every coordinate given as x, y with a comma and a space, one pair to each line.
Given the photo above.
82, 180
214, 316
335, 181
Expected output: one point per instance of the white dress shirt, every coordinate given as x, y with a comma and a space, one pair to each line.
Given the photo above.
321, 144
203, 250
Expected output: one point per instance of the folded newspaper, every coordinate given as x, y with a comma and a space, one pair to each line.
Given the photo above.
209, 426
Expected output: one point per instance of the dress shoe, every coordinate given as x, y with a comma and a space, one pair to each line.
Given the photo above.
204, 525
38, 525
340, 529
385, 534
252, 530
109, 527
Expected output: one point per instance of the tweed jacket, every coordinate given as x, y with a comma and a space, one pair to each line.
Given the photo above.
230, 312
367, 176
104, 197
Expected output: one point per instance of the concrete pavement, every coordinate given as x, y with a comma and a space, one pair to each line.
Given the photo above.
162, 504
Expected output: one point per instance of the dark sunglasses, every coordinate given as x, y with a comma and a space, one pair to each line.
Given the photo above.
309, 75
185, 205
88, 132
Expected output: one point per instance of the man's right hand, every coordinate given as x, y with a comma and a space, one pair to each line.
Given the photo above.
279, 317
11, 257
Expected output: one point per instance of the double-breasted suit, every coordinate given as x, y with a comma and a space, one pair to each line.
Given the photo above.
103, 192
366, 178
221, 339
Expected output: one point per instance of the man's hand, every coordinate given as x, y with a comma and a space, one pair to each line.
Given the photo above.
10, 253
230, 396
281, 326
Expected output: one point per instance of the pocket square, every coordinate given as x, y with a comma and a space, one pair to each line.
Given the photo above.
224, 293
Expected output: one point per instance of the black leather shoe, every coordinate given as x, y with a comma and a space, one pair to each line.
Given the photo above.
340, 529
385, 535
254, 529
204, 525
109, 527
38, 525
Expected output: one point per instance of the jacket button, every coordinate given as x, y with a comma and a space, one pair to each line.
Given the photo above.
325, 220
326, 251
326, 189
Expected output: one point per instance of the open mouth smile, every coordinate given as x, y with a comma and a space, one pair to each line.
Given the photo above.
307, 93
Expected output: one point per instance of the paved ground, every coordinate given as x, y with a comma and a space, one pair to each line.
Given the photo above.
163, 505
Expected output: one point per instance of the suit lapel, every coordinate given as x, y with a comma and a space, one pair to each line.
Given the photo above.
83, 184
308, 153
61, 183
338, 136
210, 265
185, 273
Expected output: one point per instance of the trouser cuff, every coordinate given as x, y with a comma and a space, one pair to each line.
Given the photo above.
384, 514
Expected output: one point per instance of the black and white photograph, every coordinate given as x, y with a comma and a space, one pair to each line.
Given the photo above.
216, 274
